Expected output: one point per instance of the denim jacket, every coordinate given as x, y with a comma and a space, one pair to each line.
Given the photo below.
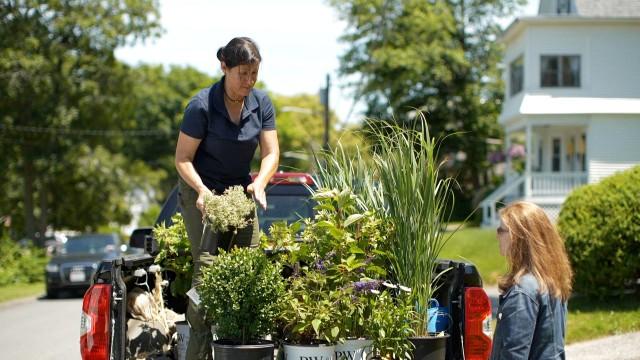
530, 325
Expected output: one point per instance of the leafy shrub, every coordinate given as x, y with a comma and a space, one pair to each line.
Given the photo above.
601, 225
175, 254
20, 264
241, 293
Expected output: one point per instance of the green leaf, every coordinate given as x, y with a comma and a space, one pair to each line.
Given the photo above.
316, 325
352, 219
354, 249
335, 331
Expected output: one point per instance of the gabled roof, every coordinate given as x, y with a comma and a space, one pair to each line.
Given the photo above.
608, 8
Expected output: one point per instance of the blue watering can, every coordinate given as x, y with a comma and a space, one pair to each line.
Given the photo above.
437, 317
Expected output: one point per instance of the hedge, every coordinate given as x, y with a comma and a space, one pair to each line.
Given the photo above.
601, 226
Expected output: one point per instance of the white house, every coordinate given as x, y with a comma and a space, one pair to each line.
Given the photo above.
572, 98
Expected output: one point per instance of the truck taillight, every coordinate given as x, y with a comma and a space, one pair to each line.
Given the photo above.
95, 323
477, 330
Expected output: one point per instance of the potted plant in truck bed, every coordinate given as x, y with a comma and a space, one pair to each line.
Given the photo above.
241, 294
403, 183
241, 289
418, 202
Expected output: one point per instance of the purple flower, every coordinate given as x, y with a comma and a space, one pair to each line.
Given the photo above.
361, 286
320, 265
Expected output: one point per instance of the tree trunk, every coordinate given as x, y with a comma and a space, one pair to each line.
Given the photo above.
28, 176
44, 211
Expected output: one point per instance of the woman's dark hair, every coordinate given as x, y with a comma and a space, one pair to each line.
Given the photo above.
239, 51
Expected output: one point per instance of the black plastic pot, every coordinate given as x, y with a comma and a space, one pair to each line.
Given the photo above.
430, 348
226, 350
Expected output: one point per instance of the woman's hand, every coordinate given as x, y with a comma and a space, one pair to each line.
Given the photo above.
202, 193
258, 194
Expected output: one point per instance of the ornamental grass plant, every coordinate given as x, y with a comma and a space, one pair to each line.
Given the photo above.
403, 183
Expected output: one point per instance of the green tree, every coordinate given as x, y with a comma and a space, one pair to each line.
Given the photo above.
439, 57
160, 98
300, 129
60, 81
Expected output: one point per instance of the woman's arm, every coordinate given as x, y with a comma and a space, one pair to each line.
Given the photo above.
185, 151
270, 155
517, 319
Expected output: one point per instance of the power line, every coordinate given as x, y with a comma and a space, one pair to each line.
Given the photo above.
83, 132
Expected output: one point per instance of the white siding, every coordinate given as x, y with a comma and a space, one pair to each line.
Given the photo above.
609, 61
609, 54
613, 144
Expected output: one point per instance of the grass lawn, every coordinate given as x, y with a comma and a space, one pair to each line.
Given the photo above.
17, 291
480, 247
590, 318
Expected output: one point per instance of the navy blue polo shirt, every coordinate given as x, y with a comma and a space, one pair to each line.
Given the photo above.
224, 155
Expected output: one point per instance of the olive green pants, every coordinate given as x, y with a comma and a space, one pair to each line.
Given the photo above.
204, 248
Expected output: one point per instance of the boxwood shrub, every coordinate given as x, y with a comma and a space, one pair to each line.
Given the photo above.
601, 225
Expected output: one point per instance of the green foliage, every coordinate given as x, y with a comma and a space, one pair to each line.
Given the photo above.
160, 97
20, 265
175, 254
307, 313
391, 323
59, 81
242, 293
340, 292
350, 248
601, 227
439, 57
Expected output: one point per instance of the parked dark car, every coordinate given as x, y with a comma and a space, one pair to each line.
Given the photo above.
75, 261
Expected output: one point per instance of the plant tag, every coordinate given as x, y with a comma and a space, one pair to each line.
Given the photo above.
194, 296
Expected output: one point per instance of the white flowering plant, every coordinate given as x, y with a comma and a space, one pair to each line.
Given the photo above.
230, 211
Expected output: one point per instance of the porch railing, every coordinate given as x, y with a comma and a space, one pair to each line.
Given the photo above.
556, 184
552, 186
489, 205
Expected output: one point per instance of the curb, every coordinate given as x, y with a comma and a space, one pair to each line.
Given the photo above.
19, 301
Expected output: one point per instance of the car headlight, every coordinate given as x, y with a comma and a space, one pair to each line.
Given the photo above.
52, 268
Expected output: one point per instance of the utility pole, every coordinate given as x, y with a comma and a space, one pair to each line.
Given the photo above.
324, 99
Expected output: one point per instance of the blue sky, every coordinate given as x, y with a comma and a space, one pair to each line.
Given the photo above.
298, 42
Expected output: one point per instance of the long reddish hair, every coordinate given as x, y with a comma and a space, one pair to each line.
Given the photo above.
535, 248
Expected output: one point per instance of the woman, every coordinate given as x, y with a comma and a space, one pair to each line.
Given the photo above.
533, 306
221, 129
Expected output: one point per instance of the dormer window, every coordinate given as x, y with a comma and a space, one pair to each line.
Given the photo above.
563, 7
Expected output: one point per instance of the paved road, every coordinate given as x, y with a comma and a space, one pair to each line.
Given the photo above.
620, 347
40, 329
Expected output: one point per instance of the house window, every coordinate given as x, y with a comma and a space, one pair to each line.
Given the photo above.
560, 70
563, 7
556, 156
516, 75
